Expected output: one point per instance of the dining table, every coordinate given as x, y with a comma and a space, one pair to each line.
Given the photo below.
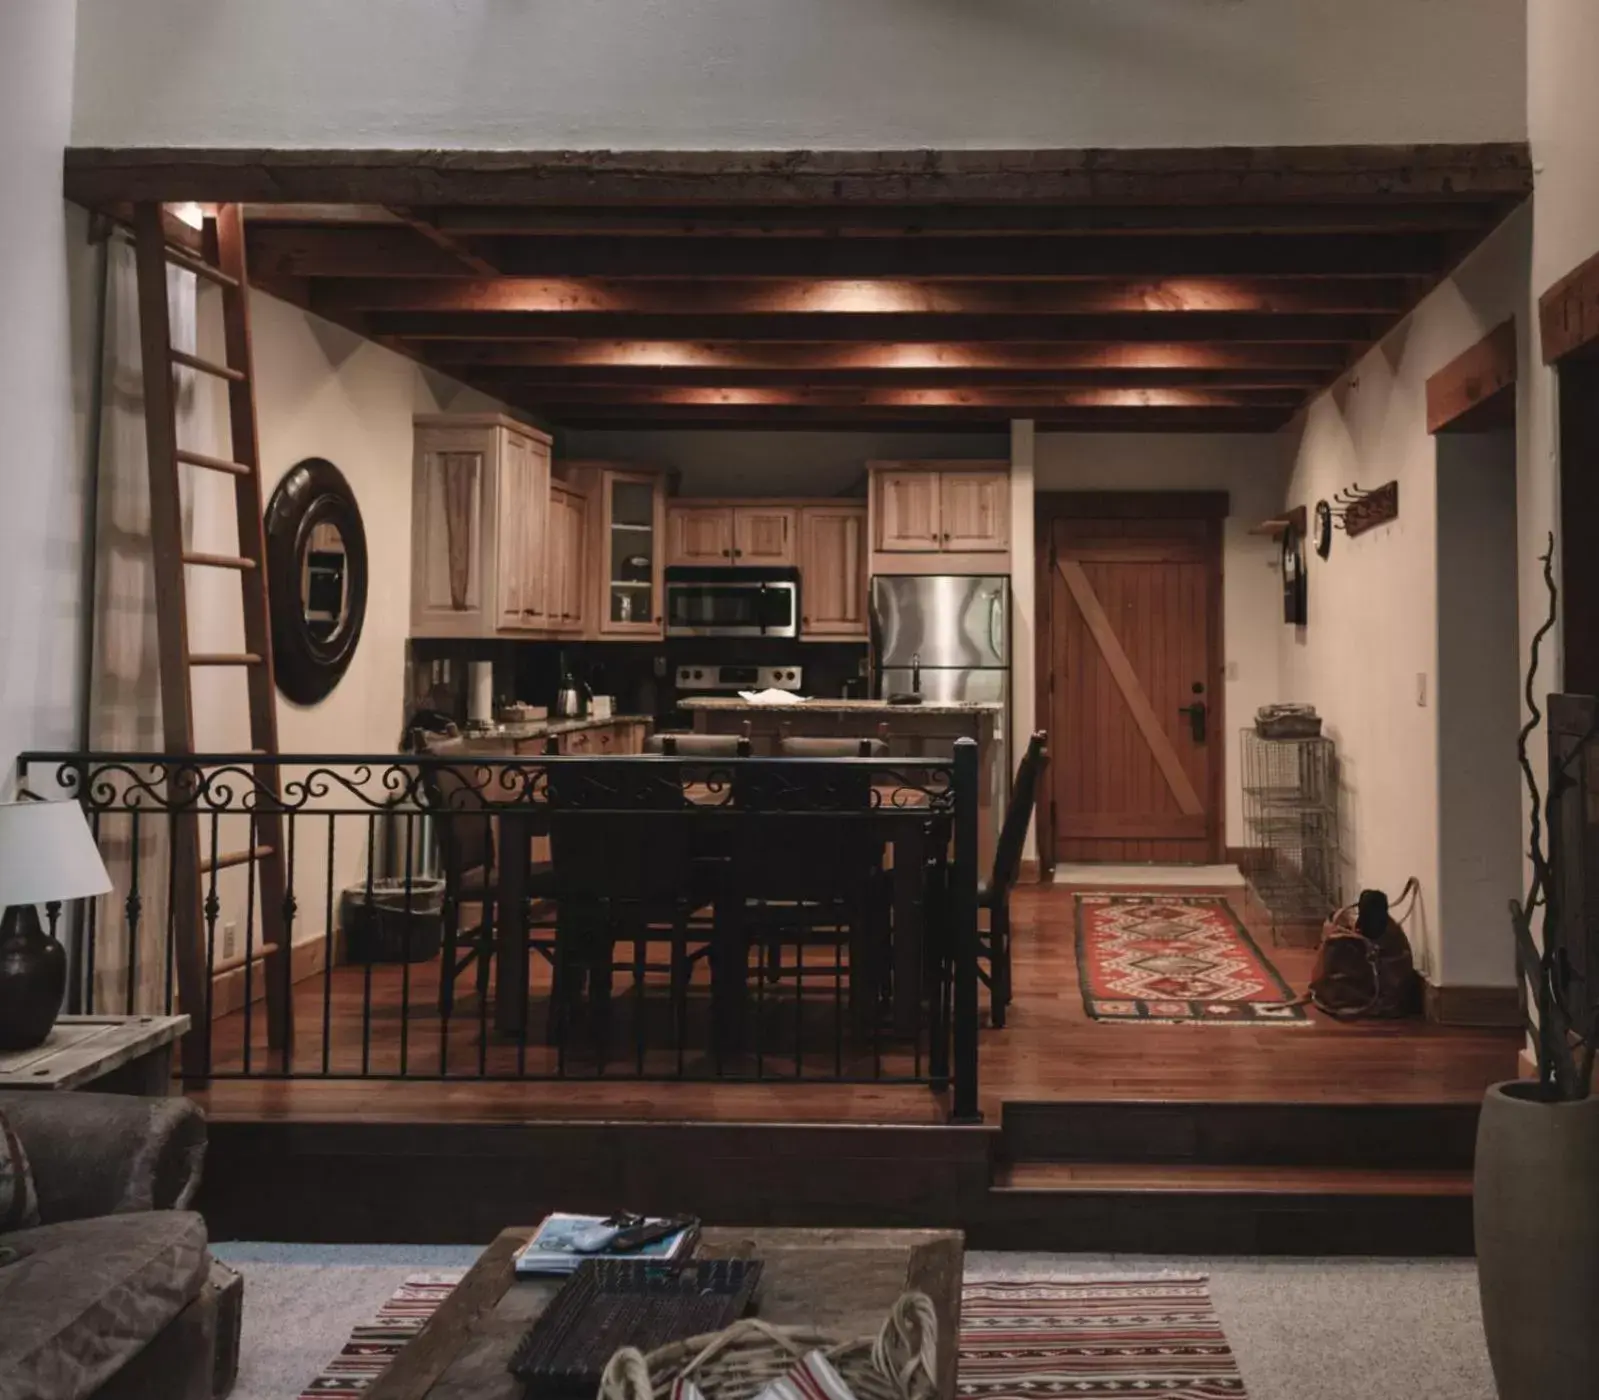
907, 829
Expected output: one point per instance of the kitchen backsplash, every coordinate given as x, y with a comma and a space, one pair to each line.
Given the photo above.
639, 675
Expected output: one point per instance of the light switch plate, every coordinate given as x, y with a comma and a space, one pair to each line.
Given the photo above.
1421, 688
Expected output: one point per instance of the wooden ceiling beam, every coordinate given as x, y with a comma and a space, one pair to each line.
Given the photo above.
1190, 175
788, 417
550, 380
313, 250
1196, 326
1026, 401
498, 295
458, 247
870, 355
981, 220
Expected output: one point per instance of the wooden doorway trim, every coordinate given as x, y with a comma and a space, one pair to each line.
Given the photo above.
1568, 313
1050, 506
1476, 390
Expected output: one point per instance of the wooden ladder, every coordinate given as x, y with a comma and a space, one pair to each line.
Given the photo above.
194, 883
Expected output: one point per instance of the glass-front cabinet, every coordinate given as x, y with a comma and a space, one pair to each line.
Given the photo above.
628, 534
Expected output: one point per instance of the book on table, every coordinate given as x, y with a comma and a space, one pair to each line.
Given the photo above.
564, 1241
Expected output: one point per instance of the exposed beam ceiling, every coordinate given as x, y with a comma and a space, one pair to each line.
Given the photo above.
1173, 290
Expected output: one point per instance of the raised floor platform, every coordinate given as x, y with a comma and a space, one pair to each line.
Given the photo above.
1321, 1139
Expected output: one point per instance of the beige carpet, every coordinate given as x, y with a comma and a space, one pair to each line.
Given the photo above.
1302, 1329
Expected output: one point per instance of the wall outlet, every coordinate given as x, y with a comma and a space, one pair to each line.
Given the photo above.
230, 939
1421, 688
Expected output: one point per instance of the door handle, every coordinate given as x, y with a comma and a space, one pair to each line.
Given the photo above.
1196, 719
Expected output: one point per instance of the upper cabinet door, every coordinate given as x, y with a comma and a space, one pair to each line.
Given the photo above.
908, 510
632, 518
532, 459
764, 535
833, 571
568, 549
521, 528
974, 511
449, 481
701, 535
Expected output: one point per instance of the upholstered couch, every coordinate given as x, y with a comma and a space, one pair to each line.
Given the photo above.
109, 1296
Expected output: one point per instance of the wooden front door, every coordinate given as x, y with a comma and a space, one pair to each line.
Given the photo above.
1134, 626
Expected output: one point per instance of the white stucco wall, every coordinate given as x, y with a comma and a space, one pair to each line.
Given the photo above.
842, 74
1374, 603
1250, 468
41, 464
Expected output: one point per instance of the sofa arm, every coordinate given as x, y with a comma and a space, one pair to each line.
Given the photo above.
98, 1154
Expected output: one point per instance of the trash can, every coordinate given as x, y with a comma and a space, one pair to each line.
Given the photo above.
379, 926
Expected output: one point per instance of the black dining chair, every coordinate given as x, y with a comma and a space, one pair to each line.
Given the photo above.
700, 745
831, 748
624, 872
464, 821
993, 894
807, 872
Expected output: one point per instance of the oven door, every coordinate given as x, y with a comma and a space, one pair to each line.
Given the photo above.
732, 608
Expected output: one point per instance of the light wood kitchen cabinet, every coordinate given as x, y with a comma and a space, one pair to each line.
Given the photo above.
568, 559
832, 571
765, 535
626, 533
479, 502
907, 510
721, 533
974, 511
699, 535
929, 508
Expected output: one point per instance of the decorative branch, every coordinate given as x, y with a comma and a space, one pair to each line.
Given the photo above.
1565, 1051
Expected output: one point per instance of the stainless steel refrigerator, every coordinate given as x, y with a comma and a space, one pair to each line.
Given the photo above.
950, 633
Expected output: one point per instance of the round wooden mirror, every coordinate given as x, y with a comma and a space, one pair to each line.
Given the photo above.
316, 567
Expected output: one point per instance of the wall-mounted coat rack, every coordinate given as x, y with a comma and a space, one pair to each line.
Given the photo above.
1356, 510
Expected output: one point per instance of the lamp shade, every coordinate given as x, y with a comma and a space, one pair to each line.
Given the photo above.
47, 853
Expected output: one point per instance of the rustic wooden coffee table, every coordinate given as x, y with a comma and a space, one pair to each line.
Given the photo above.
840, 1281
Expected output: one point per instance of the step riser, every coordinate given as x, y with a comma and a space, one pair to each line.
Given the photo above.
1207, 1223
1316, 1135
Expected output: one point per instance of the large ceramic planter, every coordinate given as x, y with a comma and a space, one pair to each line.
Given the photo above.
1537, 1219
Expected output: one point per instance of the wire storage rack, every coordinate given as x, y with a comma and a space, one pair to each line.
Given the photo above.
1291, 821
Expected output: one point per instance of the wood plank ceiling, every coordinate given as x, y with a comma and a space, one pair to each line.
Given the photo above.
1193, 291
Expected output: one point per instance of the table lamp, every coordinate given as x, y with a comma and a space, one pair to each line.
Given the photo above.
47, 855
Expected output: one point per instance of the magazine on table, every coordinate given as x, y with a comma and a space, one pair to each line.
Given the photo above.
564, 1241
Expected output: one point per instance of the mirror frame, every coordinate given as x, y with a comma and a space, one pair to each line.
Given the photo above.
312, 492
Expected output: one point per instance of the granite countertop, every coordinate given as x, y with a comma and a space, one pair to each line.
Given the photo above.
545, 728
863, 707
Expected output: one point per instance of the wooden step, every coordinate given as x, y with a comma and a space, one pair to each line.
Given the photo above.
224, 658
215, 464
1145, 1208
1420, 1135
228, 859
180, 257
1232, 1180
219, 561
183, 357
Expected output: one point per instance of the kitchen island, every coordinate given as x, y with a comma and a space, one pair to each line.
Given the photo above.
928, 730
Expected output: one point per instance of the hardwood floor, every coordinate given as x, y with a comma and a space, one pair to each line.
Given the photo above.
1050, 1052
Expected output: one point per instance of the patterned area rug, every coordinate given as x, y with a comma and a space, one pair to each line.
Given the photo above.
1081, 1337
374, 1344
1095, 1338
1176, 958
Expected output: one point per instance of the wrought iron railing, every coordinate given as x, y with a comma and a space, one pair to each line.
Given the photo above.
552, 918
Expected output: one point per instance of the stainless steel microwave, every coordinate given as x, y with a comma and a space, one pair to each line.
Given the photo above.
732, 602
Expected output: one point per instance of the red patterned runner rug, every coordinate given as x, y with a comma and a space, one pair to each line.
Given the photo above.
1176, 958
1093, 1339
373, 1345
